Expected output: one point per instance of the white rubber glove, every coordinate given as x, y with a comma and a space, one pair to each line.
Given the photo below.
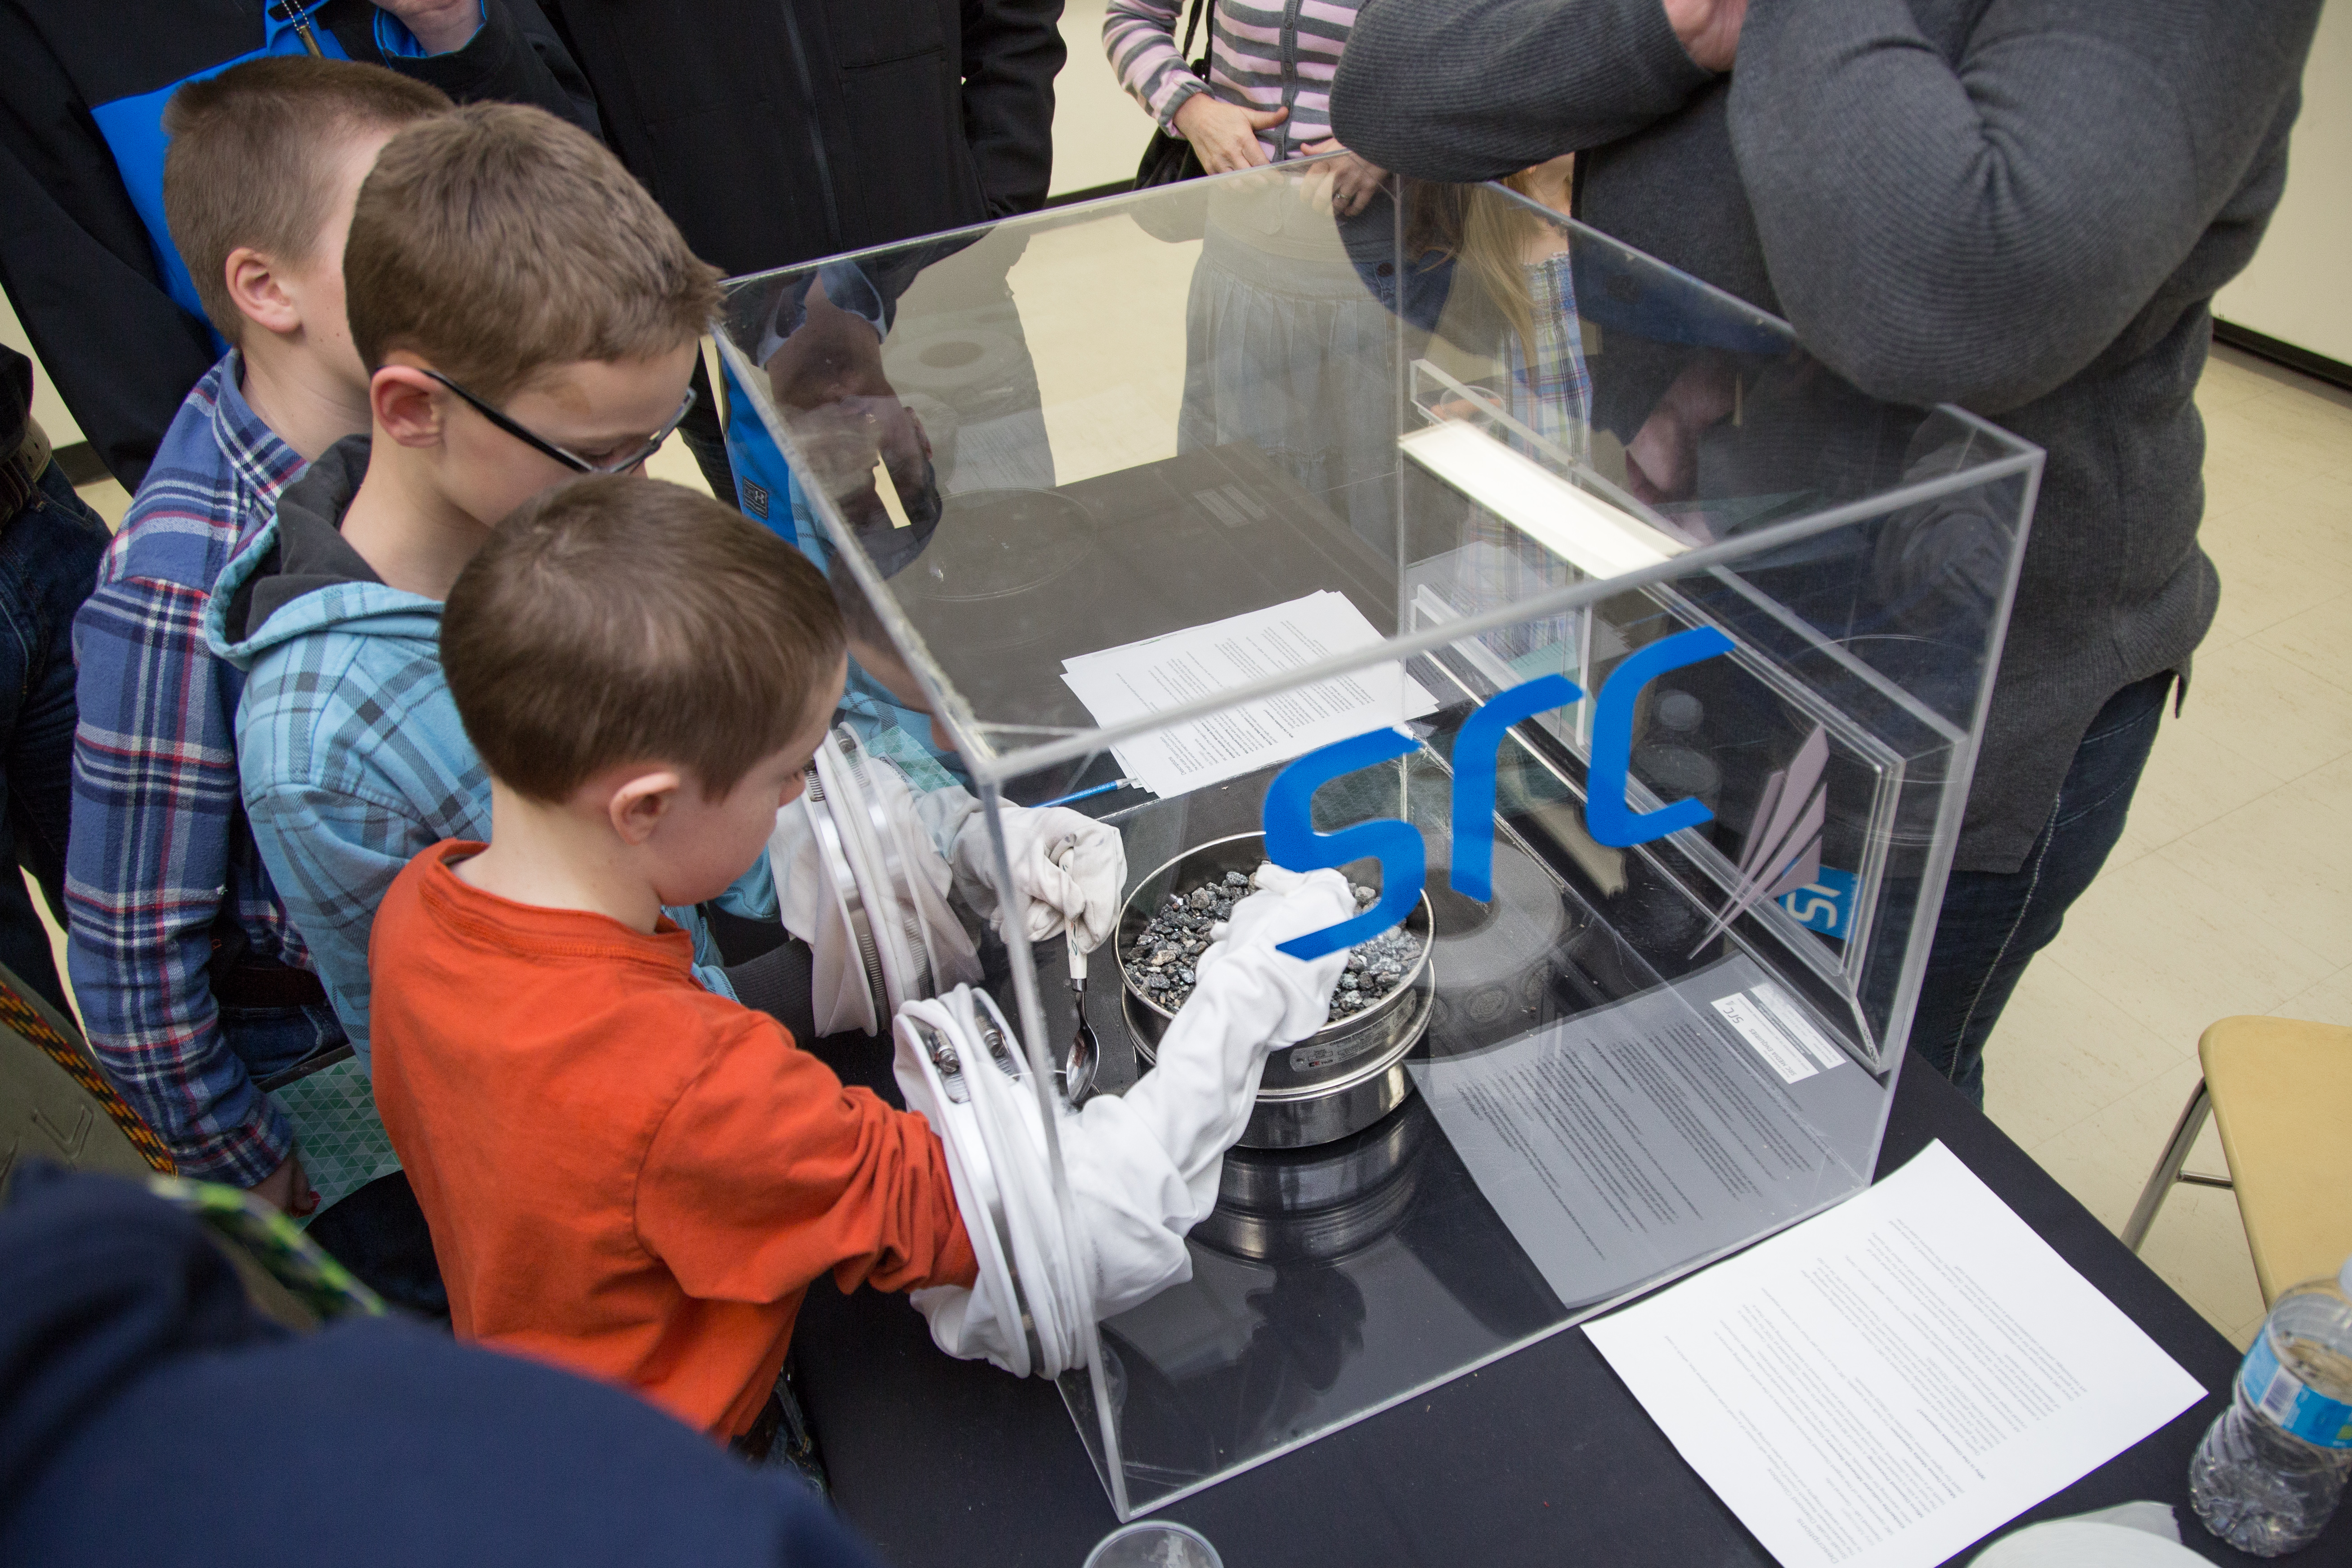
1067, 872
923, 932
841, 998
1142, 1167
1250, 1000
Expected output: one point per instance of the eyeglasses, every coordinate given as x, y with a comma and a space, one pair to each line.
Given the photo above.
597, 463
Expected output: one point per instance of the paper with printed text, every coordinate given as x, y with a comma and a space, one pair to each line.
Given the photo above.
1160, 673
1888, 1381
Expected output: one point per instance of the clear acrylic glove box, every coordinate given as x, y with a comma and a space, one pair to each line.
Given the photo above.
1623, 657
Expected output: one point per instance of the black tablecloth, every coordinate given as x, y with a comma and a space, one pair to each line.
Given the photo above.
1543, 1457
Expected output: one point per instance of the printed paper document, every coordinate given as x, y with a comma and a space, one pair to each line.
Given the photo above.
1626, 1142
1151, 677
1896, 1378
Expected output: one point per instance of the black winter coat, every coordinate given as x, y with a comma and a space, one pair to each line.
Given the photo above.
74, 257
778, 130
16, 400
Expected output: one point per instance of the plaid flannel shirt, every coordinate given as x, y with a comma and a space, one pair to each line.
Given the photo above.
159, 853
1552, 388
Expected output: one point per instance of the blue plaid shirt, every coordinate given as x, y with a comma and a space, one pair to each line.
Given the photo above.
160, 855
1552, 389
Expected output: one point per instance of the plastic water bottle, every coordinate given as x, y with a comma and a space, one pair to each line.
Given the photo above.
2271, 1467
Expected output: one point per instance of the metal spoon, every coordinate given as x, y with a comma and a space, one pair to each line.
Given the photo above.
1086, 1052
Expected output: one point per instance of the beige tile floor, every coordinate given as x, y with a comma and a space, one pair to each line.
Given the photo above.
1106, 412
1098, 132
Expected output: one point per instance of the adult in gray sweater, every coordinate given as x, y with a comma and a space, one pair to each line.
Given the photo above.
2021, 207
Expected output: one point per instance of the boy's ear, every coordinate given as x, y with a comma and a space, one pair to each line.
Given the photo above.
638, 806
257, 292
407, 405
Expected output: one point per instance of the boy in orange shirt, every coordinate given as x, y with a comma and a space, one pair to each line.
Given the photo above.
626, 1173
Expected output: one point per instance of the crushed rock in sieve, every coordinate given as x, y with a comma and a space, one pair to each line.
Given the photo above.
1179, 933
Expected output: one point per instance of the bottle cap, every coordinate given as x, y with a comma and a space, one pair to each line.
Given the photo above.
1680, 711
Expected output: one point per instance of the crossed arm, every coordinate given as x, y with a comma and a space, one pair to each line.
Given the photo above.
1974, 227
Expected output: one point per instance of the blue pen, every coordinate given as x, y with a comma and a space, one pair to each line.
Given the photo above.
1098, 789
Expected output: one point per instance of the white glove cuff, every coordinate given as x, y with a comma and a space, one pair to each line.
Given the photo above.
1031, 1303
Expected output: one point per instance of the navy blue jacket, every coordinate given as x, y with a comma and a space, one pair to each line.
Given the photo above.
778, 132
148, 1414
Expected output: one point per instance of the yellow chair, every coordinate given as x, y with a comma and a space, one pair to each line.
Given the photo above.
2281, 1093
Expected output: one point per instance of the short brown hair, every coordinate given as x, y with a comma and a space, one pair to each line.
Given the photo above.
251, 159
498, 241
618, 619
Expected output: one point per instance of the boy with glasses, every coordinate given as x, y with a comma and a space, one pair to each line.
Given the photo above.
528, 315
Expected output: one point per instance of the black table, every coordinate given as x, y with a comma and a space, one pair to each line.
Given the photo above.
1543, 1457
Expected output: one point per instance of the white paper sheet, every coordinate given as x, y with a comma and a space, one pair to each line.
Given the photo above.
1149, 677
1889, 1380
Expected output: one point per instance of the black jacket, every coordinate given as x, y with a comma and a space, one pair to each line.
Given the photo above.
778, 130
74, 257
16, 400
148, 1414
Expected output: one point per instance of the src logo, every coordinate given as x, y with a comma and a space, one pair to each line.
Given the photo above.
1783, 856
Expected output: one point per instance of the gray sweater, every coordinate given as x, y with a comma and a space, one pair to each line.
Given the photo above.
2022, 207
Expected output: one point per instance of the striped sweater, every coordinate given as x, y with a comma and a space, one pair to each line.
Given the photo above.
1276, 55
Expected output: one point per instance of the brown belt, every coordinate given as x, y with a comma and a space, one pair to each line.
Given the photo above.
20, 472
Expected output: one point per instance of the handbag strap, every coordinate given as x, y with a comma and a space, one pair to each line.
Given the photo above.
1191, 26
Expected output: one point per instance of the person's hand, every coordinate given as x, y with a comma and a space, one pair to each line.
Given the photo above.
832, 356
1709, 30
843, 440
1264, 992
1225, 134
442, 26
1662, 459
1067, 871
287, 1189
828, 379
1347, 183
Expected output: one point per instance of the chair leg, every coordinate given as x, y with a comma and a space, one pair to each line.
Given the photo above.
2168, 1169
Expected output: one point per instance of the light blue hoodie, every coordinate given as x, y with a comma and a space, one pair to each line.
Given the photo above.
350, 752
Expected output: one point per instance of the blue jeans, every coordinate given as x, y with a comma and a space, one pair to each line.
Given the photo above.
1992, 923
48, 561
